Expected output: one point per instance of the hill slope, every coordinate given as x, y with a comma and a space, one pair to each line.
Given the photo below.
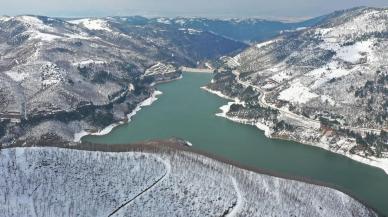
154, 181
326, 85
63, 76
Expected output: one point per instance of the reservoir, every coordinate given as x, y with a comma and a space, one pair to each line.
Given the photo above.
188, 112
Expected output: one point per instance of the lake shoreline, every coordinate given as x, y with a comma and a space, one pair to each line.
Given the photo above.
255, 148
371, 161
147, 102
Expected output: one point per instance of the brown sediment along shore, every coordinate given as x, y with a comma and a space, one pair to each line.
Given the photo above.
174, 145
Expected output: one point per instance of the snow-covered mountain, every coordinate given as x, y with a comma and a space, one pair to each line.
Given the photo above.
326, 85
54, 71
153, 181
240, 29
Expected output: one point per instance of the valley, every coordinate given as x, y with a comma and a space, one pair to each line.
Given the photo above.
318, 89
195, 120
59, 77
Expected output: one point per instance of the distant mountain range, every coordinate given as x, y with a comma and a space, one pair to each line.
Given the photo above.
247, 30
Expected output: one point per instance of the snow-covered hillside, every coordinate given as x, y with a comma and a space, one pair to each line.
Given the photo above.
63, 74
326, 85
153, 182
93, 24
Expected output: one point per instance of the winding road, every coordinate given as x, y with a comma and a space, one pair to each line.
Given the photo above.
240, 200
163, 177
302, 119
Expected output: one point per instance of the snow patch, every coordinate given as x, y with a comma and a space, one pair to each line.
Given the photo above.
44, 36
266, 43
218, 93
189, 143
225, 109
5, 19
34, 22
190, 31
78, 136
93, 24
17, 76
301, 28
326, 73
88, 62
131, 87
82, 36
355, 52
180, 22
281, 76
297, 93
163, 20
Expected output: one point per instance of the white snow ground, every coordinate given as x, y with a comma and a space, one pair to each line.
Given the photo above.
93, 24
63, 182
297, 93
266, 43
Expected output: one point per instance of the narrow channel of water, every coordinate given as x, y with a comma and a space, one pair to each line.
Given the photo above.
186, 111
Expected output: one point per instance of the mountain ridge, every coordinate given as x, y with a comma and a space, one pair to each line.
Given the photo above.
60, 75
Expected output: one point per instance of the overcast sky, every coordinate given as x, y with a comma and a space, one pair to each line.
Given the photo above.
207, 8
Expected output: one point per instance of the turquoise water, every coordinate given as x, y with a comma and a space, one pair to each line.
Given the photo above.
186, 111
